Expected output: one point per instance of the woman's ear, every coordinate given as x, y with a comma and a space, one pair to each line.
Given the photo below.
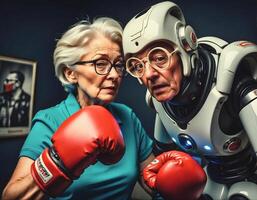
70, 75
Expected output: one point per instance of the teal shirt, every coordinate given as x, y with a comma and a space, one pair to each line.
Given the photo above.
99, 181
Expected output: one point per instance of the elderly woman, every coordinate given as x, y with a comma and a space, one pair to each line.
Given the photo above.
60, 155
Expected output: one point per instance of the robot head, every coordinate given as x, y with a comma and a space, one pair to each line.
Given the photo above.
163, 21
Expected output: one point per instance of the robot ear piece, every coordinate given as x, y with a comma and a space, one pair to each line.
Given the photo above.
187, 38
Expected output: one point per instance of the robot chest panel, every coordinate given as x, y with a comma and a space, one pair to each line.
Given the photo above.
203, 132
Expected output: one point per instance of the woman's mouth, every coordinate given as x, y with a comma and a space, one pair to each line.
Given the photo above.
110, 89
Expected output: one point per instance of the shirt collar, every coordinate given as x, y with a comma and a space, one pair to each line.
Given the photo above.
72, 104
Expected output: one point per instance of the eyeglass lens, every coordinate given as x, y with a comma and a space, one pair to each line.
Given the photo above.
157, 58
103, 66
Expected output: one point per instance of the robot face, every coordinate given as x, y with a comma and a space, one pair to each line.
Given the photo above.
159, 67
158, 58
163, 21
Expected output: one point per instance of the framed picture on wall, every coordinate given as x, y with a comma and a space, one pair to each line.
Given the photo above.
17, 84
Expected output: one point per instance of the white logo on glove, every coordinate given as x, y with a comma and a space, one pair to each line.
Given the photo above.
42, 170
155, 161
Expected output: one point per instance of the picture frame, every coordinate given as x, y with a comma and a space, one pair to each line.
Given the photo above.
17, 87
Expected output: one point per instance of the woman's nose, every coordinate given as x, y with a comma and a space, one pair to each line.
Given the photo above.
113, 73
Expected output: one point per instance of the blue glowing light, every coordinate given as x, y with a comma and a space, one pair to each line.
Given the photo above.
206, 147
174, 140
186, 142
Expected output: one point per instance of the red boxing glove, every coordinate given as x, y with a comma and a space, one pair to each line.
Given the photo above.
175, 175
89, 135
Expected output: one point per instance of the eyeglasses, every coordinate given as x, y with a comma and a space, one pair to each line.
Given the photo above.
159, 58
104, 66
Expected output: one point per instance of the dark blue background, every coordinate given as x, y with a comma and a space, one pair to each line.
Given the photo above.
29, 29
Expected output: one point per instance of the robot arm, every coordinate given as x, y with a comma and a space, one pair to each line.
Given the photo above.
237, 76
248, 116
239, 62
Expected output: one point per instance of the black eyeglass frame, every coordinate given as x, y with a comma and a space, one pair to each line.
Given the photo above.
94, 62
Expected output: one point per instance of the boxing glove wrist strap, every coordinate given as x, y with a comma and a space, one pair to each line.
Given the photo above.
48, 176
56, 159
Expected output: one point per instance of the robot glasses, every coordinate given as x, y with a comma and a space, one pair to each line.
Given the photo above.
159, 58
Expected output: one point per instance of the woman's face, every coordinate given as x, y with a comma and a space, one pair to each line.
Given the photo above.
101, 87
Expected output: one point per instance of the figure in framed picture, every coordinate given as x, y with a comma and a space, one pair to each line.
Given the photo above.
14, 101
17, 85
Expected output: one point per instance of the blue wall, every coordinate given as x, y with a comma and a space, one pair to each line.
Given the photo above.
29, 29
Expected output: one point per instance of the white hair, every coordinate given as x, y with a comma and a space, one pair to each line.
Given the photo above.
72, 45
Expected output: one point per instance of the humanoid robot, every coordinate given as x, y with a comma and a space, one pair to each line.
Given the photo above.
214, 116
